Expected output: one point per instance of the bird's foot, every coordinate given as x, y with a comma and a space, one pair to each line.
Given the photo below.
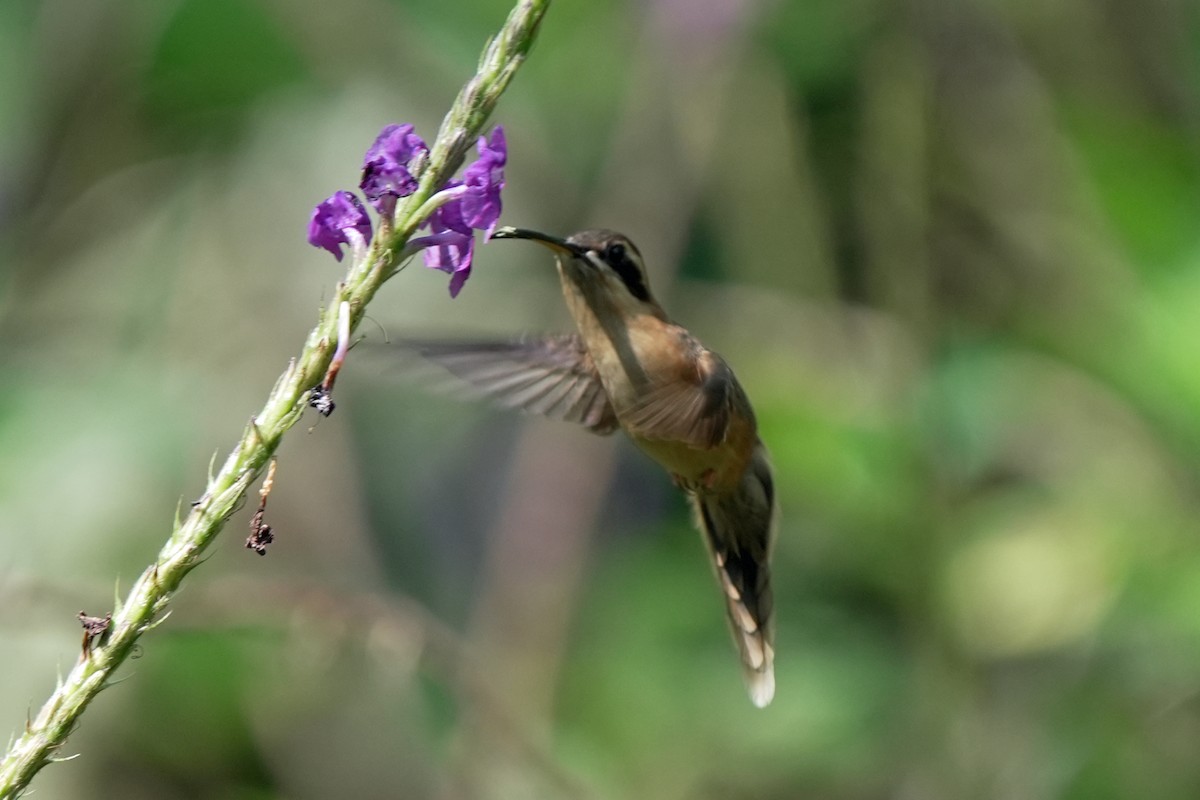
700, 485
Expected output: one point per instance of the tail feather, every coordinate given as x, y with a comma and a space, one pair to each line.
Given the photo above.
739, 529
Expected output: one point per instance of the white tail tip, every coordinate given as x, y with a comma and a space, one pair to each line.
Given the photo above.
761, 686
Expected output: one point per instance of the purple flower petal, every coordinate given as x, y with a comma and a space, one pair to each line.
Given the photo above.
451, 252
473, 204
396, 144
449, 215
382, 183
484, 179
340, 212
386, 176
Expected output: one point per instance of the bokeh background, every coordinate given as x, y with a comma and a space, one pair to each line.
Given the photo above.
952, 248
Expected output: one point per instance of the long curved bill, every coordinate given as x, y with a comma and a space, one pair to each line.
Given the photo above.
552, 242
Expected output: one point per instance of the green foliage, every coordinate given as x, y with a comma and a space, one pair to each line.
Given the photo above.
214, 60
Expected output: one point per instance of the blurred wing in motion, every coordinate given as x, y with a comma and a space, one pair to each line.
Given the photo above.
553, 377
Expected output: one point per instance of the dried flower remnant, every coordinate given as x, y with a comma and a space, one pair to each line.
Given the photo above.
322, 397
322, 401
261, 534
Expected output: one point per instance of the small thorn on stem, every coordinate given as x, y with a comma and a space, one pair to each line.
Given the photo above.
94, 630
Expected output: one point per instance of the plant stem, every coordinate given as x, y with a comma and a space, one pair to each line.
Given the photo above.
143, 607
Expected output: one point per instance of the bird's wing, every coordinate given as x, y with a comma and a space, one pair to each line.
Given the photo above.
694, 408
551, 376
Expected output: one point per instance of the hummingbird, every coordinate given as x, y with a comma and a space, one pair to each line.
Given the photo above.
629, 367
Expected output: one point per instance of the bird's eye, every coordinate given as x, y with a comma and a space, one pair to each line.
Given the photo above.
616, 255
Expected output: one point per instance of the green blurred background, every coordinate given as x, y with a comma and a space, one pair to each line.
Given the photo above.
952, 248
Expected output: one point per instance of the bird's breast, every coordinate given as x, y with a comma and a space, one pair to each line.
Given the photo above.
638, 355
713, 469
645, 355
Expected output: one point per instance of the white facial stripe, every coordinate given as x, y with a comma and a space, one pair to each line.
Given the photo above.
594, 257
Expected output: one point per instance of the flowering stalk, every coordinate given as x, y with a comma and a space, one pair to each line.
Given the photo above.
372, 263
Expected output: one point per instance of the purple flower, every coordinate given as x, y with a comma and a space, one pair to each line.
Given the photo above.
472, 204
385, 174
465, 206
451, 244
396, 143
451, 252
483, 180
334, 218
449, 215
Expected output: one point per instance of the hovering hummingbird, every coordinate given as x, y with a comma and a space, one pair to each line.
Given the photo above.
630, 367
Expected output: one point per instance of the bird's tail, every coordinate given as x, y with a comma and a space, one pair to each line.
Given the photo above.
739, 529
